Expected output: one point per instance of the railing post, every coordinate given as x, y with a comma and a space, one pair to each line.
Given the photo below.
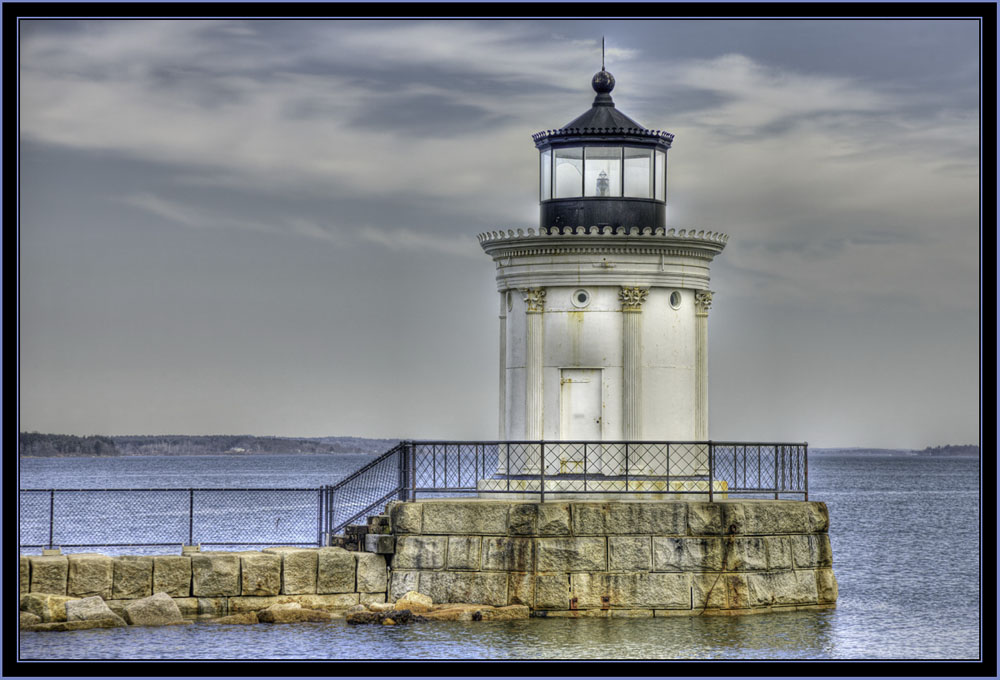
586, 471
52, 515
541, 451
626, 466
331, 509
413, 470
711, 472
319, 517
776, 472
507, 467
190, 516
805, 467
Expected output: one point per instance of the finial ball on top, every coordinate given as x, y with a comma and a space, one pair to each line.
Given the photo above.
603, 82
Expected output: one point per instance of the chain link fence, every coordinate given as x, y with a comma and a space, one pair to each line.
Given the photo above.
151, 521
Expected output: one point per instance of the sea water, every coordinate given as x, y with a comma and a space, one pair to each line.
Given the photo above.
905, 533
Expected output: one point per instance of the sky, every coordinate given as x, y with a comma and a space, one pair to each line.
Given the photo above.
269, 227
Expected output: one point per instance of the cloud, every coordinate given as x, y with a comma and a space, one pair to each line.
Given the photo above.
413, 240
190, 216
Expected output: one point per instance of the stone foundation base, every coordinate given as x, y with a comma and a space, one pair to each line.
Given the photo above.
616, 558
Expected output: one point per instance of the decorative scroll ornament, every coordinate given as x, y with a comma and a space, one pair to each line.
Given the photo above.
632, 298
535, 299
702, 302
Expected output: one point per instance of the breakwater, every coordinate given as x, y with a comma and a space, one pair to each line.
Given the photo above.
609, 558
212, 584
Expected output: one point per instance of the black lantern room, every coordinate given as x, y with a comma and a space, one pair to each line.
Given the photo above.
603, 168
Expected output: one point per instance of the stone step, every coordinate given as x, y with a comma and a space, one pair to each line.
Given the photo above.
379, 524
381, 544
356, 530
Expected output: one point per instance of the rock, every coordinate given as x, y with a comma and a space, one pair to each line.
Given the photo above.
28, 619
156, 610
356, 608
90, 575
629, 553
133, 577
215, 574
414, 601
689, 554
383, 607
25, 573
508, 613
298, 569
402, 582
325, 602
48, 608
172, 575
260, 574
292, 613
372, 576
335, 571
48, 574
406, 518
241, 619
571, 554
363, 617
371, 598
501, 553
466, 517
382, 544
470, 586
389, 618
454, 612
420, 552
551, 591
90, 609
77, 625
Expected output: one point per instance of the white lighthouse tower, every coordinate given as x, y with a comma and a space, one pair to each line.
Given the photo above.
603, 309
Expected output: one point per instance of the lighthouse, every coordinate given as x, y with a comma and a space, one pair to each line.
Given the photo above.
603, 308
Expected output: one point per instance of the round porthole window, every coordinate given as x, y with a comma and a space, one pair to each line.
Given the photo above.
581, 298
675, 300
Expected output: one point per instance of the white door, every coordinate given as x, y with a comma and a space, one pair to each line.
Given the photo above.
581, 411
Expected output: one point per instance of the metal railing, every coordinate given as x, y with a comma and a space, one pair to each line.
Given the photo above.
159, 518
147, 519
607, 467
365, 491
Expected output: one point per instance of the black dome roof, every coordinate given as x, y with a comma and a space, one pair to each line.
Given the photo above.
602, 119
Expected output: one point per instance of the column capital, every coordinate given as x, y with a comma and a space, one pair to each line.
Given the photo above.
702, 302
632, 298
535, 299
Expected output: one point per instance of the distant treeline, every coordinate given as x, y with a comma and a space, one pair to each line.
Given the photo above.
947, 450
34, 444
951, 450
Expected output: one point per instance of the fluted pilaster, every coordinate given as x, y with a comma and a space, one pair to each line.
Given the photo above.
534, 298
503, 366
703, 302
632, 299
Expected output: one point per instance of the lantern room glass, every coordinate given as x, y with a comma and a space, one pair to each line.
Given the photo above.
545, 174
660, 176
568, 173
603, 171
638, 173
